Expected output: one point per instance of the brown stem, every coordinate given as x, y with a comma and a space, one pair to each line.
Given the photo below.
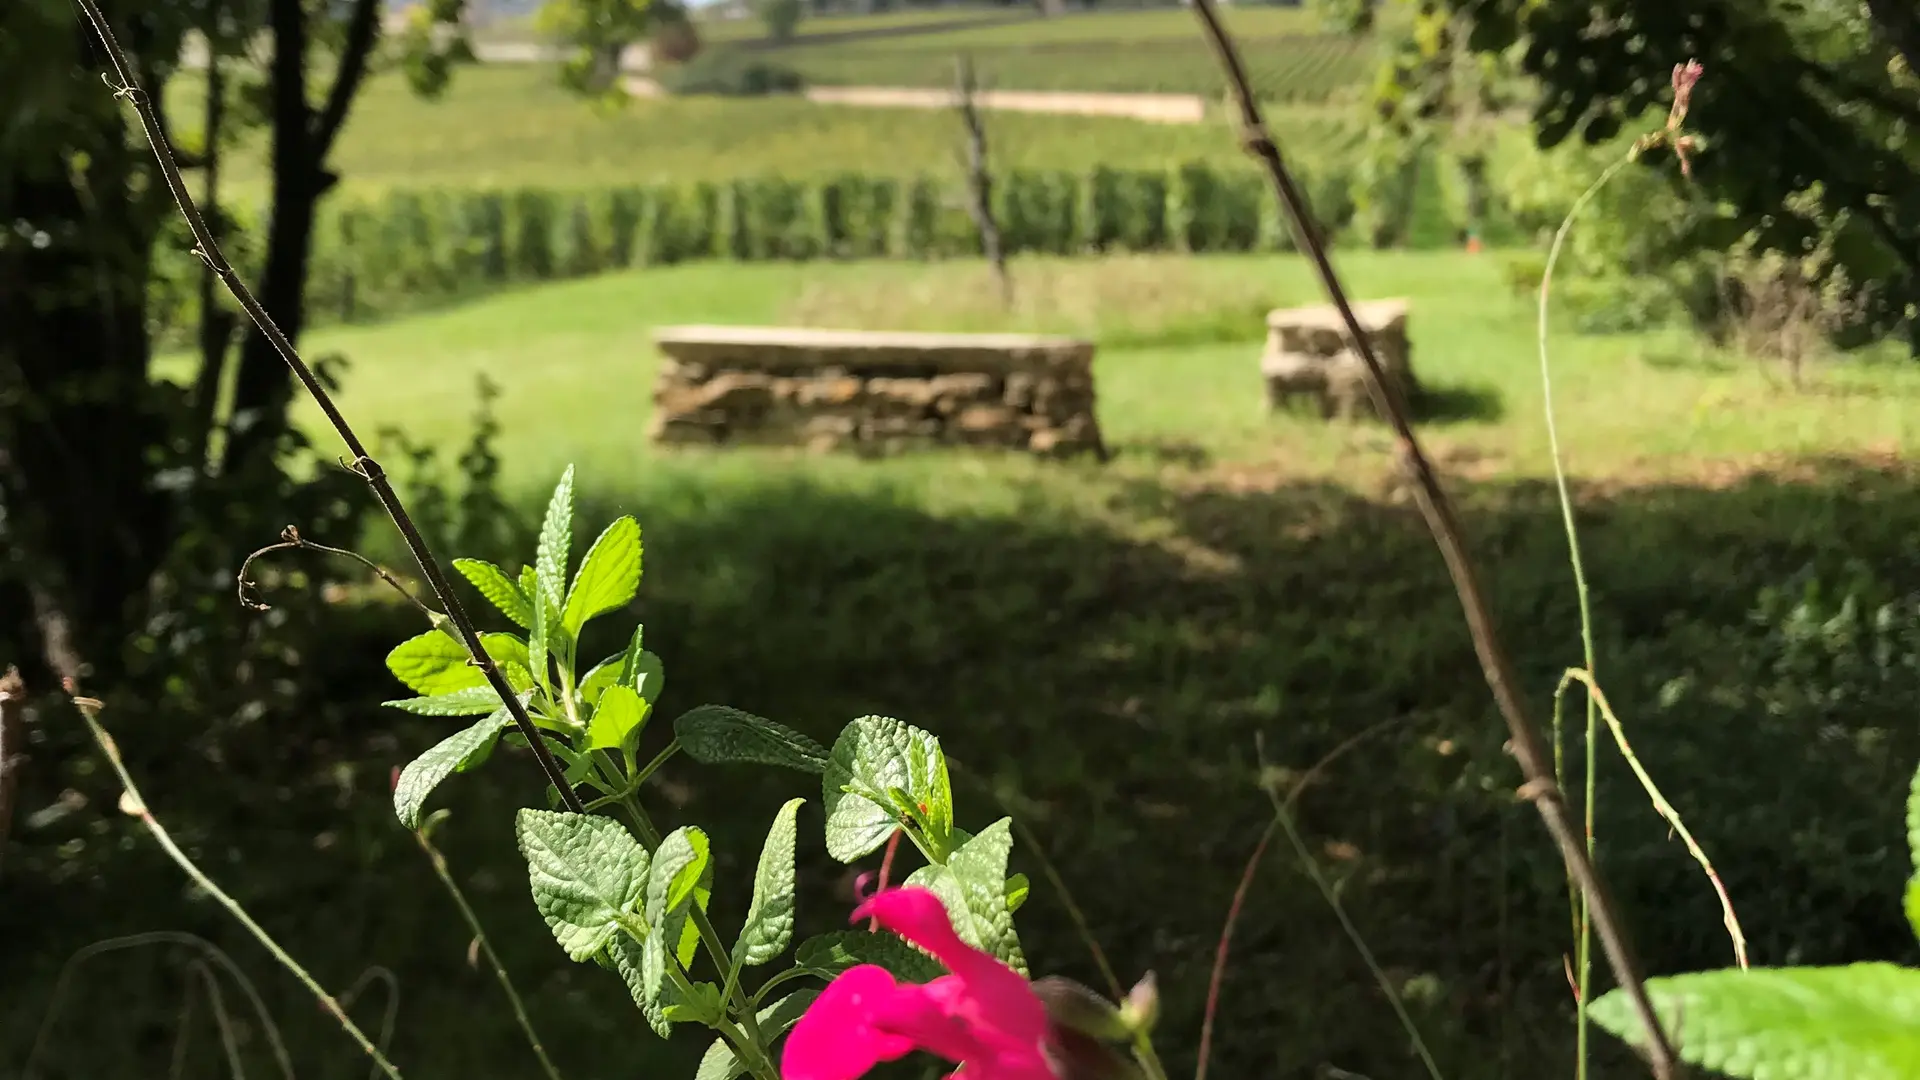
363, 463
1524, 738
980, 177
291, 540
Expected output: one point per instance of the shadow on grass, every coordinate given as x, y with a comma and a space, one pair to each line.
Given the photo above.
1459, 404
1106, 673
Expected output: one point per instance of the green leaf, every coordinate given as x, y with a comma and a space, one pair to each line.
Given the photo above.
1860, 1022
769, 925
473, 701
432, 663
603, 674
682, 875
609, 575
1018, 889
702, 1005
678, 863
529, 584
456, 753
719, 1062
587, 873
1912, 903
831, 954
556, 535
973, 886
630, 959
648, 678
617, 720
873, 754
716, 734
1913, 820
538, 639
500, 591
511, 653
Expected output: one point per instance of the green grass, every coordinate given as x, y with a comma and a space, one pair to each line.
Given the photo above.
1288, 55
1180, 339
506, 125
1099, 646
714, 31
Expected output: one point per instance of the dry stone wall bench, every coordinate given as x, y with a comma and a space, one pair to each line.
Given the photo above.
1307, 357
873, 392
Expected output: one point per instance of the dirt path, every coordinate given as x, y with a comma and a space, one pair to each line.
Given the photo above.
1155, 108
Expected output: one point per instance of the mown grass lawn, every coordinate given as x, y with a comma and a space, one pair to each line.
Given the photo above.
1179, 342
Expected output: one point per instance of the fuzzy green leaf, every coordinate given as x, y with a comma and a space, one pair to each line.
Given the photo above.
602, 675
719, 1062
769, 925
702, 1005
617, 720
556, 535
458, 752
973, 886
539, 638
499, 589
513, 657
639, 968
433, 663
682, 875
872, 755
716, 734
1860, 1022
831, 954
586, 872
609, 575
1913, 847
473, 701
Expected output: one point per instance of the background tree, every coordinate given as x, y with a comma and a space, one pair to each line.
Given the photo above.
1804, 115
102, 463
597, 33
781, 17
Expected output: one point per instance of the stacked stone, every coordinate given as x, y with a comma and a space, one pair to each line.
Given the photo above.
873, 392
1307, 356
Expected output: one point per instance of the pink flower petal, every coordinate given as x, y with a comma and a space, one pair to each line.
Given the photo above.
837, 1039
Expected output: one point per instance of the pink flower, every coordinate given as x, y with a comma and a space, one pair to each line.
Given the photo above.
983, 1016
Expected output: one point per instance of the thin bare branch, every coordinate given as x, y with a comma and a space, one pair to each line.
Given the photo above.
208, 248
290, 540
1523, 736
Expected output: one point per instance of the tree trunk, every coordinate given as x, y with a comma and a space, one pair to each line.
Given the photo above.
302, 138
80, 519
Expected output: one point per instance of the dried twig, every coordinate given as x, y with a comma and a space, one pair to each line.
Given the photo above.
979, 177
1524, 738
208, 248
290, 539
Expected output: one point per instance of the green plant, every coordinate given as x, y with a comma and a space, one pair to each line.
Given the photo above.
1854, 1020
637, 902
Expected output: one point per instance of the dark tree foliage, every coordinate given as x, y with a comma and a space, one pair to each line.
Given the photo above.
103, 463
1805, 115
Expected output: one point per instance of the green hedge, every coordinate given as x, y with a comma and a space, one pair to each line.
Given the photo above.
385, 254
380, 254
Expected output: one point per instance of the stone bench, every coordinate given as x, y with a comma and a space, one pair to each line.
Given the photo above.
1307, 356
873, 392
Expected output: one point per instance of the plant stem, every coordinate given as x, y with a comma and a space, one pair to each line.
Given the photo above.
132, 803
1583, 941
208, 248
1541, 787
439, 863
1283, 816
709, 934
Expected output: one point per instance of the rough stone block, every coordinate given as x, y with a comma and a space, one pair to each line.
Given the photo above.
1307, 356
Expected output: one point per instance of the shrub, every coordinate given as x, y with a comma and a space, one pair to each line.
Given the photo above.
731, 74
